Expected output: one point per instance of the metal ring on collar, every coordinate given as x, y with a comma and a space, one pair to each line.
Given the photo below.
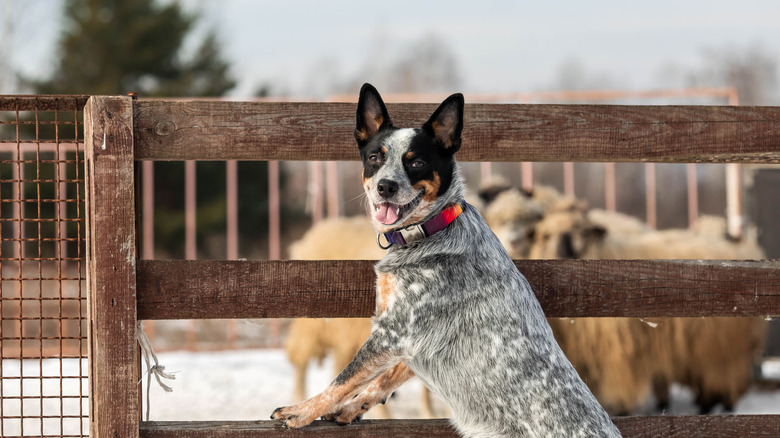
389, 244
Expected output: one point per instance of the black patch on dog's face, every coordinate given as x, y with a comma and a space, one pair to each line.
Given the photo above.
374, 152
426, 160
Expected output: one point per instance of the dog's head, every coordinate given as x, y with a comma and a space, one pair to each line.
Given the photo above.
409, 174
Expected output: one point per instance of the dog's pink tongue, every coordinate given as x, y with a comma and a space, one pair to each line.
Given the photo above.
387, 213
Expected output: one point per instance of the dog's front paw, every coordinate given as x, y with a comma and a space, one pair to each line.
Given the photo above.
353, 410
351, 413
293, 417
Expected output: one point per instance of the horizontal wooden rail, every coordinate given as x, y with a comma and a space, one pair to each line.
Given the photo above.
669, 426
214, 130
571, 288
324, 429
51, 102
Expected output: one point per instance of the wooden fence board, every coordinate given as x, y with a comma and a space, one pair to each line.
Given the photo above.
323, 429
668, 426
570, 288
704, 426
111, 276
215, 130
42, 103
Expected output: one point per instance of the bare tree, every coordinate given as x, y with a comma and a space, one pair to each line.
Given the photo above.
427, 65
573, 75
424, 65
752, 70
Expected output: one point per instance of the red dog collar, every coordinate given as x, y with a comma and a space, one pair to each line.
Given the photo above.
415, 233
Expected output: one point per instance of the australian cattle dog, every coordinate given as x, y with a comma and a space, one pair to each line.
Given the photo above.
451, 306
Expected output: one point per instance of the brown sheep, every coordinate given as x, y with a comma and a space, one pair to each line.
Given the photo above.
610, 358
714, 356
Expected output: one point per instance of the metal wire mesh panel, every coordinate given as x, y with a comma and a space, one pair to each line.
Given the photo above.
43, 344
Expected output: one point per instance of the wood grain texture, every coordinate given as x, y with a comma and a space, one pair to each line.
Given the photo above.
704, 426
571, 288
323, 429
215, 130
111, 255
713, 426
42, 102
254, 289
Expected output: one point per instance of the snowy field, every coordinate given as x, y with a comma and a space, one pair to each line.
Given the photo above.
236, 385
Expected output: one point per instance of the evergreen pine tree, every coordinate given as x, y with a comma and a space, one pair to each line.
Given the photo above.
116, 46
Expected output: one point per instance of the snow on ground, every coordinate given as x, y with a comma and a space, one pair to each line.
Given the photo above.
248, 385
237, 385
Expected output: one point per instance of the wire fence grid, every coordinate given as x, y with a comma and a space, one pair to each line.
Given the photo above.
43, 335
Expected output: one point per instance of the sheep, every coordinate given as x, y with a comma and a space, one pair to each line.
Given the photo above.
326, 241
745, 247
713, 356
610, 358
511, 213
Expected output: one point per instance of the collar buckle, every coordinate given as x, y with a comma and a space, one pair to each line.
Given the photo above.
413, 233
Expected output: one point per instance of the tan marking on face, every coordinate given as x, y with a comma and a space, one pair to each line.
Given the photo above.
409, 155
386, 288
431, 187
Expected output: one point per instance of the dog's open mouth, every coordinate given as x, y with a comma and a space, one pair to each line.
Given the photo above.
388, 213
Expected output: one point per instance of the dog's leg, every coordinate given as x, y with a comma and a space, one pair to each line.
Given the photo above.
370, 362
378, 391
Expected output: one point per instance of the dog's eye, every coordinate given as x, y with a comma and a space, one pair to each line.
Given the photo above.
418, 164
373, 158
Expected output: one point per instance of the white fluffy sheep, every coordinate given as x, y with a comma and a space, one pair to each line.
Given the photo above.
511, 213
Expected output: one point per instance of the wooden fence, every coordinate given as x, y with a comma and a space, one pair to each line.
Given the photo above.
120, 131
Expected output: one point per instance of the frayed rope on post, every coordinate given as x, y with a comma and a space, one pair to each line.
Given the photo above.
157, 370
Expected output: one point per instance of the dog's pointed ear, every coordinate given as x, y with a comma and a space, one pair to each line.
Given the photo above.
372, 115
446, 123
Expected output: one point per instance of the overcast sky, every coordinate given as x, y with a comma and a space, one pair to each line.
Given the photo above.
499, 45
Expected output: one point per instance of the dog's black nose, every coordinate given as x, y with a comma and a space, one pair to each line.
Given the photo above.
387, 188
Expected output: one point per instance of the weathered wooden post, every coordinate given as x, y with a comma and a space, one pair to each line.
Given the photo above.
111, 263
